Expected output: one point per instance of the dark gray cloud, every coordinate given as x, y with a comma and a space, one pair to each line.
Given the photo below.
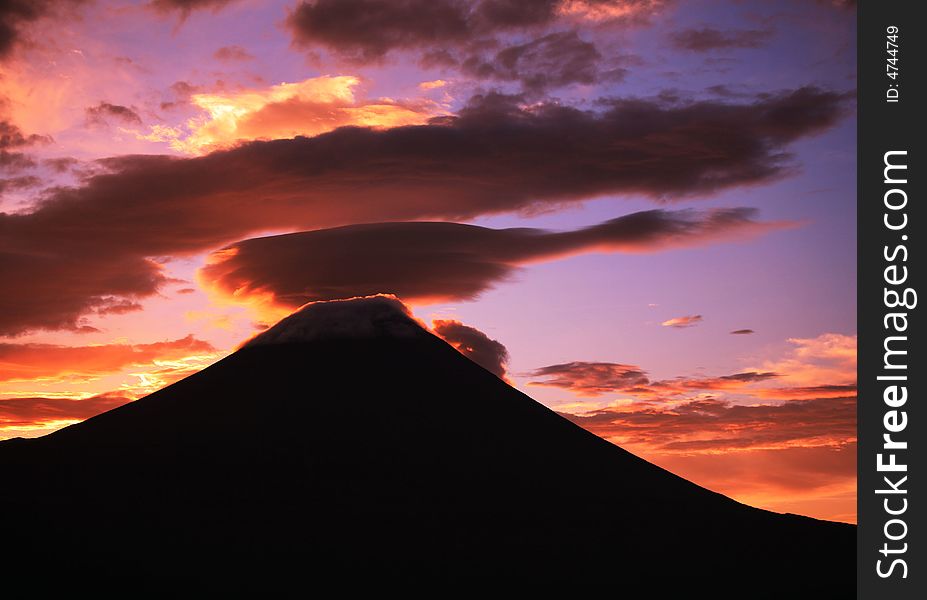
19, 183
53, 290
474, 344
85, 248
598, 378
845, 4
591, 378
367, 30
232, 54
14, 14
185, 7
13, 146
105, 112
12, 136
707, 39
552, 61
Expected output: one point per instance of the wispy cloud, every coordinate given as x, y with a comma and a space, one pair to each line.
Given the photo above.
683, 322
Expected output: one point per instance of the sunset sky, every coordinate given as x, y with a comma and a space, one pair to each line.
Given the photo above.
639, 212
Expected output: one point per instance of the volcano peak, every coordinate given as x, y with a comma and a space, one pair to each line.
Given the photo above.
365, 317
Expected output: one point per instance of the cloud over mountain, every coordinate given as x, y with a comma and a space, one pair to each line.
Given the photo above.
423, 262
96, 240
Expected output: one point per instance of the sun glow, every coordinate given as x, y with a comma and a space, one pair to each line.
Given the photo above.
286, 110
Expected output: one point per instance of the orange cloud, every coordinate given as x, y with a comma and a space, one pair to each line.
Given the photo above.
781, 437
832, 390
47, 361
607, 11
798, 456
828, 358
711, 426
432, 85
591, 379
816, 481
35, 416
821, 367
287, 110
682, 322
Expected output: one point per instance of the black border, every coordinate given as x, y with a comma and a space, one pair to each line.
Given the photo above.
886, 126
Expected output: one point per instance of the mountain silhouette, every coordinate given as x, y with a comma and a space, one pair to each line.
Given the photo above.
347, 445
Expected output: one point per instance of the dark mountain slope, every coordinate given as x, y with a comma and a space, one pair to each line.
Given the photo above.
380, 456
